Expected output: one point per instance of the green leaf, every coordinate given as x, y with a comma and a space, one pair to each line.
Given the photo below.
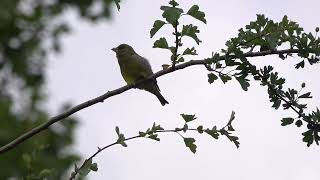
94, 167
261, 19
189, 51
286, 121
298, 123
117, 130
86, 168
306, 95
161, 43
142, 134
190, 143
300, 65
154, 137
121, 137
212, 77
233, 139
200, 129
156, 127
117, 4
308, 137
191, 31
212, 132
188, 117
156, 26
272, 42
185, 128
243, 82
232, 117
171, 14
173, 3
194, 12
224, 78
123, 143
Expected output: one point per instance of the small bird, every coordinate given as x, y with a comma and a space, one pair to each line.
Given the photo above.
135, 67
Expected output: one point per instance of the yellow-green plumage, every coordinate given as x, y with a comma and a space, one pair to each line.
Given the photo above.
134, 67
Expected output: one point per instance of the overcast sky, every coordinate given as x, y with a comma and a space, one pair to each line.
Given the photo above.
88, 68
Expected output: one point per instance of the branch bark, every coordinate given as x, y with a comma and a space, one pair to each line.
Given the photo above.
109, 94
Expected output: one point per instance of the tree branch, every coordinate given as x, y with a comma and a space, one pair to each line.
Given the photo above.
109, 94
77, 170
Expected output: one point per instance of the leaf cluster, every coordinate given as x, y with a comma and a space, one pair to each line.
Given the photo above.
172, 15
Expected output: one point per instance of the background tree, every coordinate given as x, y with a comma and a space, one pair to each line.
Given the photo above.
29, 31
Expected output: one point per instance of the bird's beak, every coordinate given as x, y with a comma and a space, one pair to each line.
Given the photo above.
115, 50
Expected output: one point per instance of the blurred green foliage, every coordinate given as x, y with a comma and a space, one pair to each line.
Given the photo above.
29, 31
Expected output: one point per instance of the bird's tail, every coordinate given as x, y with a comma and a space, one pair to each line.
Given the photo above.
162, 100
152, 87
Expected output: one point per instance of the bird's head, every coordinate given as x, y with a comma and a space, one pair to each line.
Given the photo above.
123, 50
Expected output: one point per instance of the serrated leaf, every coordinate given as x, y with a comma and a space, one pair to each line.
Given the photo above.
156, 26
191, 31
156, 127
189, 51
308, 137
213, 132
188, 117
190, 143
224, 78
243, 82
194, 12
161, 43
286, 121
313, 60
234, 139
299, 65
171, 14
212, 77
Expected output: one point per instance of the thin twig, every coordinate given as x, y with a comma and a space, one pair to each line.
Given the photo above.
74, 174
109, 94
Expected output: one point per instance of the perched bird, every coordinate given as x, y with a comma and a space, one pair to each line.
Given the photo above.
134, 67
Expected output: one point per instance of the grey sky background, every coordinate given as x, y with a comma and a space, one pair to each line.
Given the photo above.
88, 68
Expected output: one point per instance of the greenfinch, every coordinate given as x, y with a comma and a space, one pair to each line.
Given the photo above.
134, 67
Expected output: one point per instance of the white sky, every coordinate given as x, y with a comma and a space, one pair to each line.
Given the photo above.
88, 68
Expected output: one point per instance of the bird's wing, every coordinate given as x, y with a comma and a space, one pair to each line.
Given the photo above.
146, 69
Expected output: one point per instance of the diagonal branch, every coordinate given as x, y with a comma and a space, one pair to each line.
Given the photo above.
109, 94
